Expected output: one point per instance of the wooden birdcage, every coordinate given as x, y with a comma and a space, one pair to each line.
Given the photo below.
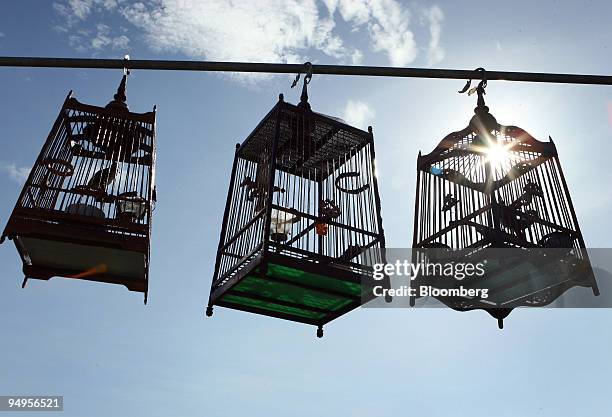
302, 211
494, 186
85, 209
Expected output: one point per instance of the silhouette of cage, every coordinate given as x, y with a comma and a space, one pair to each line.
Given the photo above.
302, 211
494, 186
85, 209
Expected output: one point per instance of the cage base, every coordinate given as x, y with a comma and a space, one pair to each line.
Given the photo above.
291, 289
44, 258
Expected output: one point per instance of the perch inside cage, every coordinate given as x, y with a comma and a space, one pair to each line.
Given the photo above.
302, 211
85, 209
493, 186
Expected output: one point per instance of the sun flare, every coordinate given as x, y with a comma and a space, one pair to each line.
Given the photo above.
497, 154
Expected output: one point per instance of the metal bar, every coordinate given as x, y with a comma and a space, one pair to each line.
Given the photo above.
269, 313
269, 195
332, 222
301, 234
247, 263
538, 77
223, 233
454, 224
239, 233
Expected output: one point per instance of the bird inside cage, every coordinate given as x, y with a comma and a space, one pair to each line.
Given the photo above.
281, 223
328, 211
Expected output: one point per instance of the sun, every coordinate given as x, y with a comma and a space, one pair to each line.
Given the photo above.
497, 154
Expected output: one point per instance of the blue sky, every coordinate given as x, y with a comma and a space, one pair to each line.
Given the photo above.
109, 355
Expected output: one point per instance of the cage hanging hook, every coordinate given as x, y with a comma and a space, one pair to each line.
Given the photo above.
479, 89
307, 78
482, 84
120, 98
126, 70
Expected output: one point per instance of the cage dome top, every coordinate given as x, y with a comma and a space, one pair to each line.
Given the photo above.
510, 149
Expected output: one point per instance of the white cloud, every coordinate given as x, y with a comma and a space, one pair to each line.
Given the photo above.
435, 53
77, 10
103, 39
357, 57
83, 8
387, 22
355, 11
264, 30
256, 30
98, 39
16, 173
358, 114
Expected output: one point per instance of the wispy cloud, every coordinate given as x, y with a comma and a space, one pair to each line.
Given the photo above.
358, 114
264, 30
256, 30
14, 172
93, 37
98, 39
434, 16
387, 22
74, 11
103, 39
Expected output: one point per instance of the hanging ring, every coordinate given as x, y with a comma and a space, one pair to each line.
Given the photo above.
350, 190
59, 167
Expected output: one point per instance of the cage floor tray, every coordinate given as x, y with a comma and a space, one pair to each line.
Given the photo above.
293, 290
46, 258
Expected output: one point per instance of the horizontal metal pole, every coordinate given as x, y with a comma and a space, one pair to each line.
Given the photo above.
538, 77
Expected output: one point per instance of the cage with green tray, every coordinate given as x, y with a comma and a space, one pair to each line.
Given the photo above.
302, 212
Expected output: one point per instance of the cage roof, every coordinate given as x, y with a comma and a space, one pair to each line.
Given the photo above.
461, 155
311, 145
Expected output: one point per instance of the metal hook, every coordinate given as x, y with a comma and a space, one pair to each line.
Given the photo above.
126, 70
481, 85
308, 75
307, 78
480, 89
120, 97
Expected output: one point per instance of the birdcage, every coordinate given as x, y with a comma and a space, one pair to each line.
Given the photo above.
85, 209
302, 211
493, 186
